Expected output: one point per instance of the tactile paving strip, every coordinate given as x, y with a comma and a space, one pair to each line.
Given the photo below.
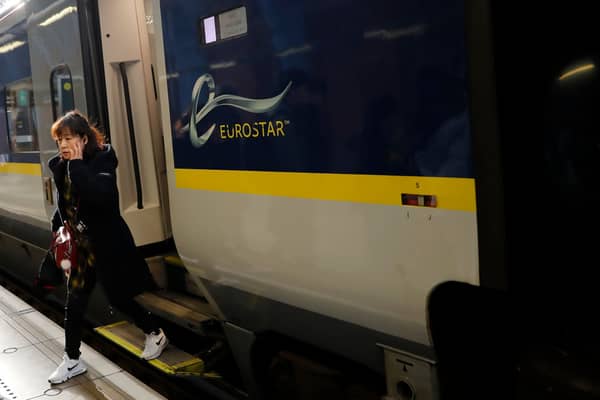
6, 392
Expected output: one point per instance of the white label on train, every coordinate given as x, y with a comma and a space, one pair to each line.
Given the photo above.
233, 23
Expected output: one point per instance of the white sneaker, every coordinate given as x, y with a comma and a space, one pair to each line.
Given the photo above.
67, 369
155, 344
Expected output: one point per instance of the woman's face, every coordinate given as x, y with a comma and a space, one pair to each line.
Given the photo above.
71, 145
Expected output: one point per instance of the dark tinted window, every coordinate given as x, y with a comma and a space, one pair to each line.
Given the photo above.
61, 86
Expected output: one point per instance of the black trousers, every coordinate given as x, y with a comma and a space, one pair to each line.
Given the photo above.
77, 302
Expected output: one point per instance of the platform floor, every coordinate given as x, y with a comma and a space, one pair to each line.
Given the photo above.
31, 347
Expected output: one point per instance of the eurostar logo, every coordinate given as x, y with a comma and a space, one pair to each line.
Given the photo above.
256, 106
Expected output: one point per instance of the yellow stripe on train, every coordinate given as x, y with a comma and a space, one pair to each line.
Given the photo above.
450, 193
20, 168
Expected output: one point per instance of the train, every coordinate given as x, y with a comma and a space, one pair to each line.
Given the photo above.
303, 174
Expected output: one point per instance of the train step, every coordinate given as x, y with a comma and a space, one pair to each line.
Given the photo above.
189, 312
172, 361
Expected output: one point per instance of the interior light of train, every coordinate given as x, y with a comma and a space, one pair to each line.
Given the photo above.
61, 14
210, 30
5, 48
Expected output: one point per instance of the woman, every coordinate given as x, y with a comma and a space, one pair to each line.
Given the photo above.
84, 174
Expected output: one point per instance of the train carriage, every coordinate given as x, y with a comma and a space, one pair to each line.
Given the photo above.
295, 154
300, 175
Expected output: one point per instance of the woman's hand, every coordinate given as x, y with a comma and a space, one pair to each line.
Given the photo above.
77, 153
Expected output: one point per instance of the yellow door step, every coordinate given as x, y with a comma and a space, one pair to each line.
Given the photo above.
172, 361
174, 261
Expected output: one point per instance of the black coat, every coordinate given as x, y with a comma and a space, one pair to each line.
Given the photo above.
119, 267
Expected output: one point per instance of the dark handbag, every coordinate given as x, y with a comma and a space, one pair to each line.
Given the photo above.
49, 275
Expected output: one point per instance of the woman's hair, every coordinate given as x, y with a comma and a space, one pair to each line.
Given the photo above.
76, 123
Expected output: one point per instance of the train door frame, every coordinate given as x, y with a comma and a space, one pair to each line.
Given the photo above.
133, 117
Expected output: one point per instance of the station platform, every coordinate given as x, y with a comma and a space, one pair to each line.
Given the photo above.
31, 347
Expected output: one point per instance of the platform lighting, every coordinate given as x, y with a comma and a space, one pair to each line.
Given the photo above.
7, 7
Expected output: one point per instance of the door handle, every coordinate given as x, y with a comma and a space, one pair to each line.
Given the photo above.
48, 191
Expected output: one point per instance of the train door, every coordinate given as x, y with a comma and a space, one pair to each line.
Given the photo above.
133, 118
57, 76
23, 220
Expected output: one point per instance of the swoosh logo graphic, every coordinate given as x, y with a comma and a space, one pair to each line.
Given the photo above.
255, 106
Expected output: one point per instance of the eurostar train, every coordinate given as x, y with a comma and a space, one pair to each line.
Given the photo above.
301, 175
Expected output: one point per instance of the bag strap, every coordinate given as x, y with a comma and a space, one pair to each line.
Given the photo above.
59, 214
62, 221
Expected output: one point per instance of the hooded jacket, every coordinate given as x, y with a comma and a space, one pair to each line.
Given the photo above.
119, 266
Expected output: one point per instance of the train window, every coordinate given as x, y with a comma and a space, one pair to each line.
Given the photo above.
20, 116
61, 87
228, 24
